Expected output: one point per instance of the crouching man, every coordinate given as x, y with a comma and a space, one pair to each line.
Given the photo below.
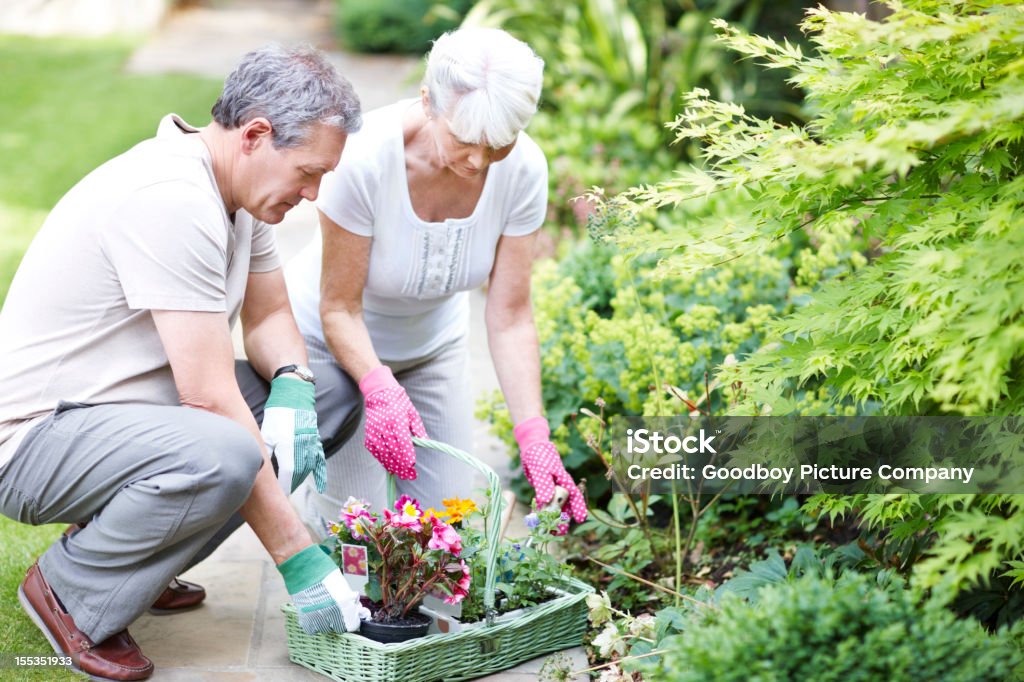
122, 408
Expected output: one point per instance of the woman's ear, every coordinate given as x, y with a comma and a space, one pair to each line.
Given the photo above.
425, 102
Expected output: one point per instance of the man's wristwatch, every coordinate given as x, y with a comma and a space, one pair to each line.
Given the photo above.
301, 371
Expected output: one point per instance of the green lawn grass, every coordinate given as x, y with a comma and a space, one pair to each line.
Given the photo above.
66, 106
18, 635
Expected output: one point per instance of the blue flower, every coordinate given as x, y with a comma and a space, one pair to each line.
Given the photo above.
532, 520
516, 547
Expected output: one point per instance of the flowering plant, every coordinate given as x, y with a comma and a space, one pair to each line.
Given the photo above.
526, 569
411, 552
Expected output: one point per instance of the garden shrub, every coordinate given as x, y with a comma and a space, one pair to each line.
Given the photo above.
914, 148
608, 330
396, 25
901, 202
849, 629
971, 546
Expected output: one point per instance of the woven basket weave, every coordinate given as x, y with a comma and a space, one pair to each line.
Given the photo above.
551, 626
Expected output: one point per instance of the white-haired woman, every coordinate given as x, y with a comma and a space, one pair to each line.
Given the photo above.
433, 197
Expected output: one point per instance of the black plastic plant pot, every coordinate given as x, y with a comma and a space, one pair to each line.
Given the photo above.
414, 625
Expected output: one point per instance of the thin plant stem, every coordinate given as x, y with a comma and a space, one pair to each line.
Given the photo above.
678, 537
655, 652
657, 383
656, 586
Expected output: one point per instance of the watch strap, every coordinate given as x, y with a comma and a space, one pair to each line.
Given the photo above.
304, 373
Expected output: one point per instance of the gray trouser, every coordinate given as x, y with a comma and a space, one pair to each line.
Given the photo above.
156, 484
439, 388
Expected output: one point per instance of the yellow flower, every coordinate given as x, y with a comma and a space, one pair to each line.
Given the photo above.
457, 509
430, 513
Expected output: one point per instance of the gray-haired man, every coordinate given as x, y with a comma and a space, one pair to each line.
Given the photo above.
122, 409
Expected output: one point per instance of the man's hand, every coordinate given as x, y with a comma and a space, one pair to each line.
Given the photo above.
322, 598
290, 433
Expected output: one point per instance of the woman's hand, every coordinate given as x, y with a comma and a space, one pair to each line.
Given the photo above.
391, 422
544, 470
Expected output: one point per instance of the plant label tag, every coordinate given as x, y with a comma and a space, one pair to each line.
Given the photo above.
353, 566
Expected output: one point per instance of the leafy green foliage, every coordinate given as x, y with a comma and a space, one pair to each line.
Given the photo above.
610, 331
653, 49
753, 521
526, 568
589, 142
616, 537
396, 25
805, 561
971, 546
816, 628
907, 185
900, 205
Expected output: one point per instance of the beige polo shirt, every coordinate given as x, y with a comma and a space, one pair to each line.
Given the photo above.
146, 230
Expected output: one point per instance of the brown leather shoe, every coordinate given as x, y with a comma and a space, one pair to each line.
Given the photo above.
180, 595
116, 658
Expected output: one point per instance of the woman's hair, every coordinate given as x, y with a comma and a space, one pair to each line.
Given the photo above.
485, 83
293, 88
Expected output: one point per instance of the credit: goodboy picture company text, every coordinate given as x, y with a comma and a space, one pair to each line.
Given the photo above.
768, 455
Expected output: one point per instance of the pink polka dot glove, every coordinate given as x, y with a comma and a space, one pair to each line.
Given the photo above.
543, 467
391, 421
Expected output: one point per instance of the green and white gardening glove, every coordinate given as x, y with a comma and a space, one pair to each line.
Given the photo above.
290, 433
322, 598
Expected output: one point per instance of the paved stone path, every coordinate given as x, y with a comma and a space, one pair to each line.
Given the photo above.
238, 634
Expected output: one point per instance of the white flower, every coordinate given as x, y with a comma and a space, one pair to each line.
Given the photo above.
609, 642
643, 626
600, 608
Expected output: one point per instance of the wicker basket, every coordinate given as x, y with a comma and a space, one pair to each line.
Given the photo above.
554, 625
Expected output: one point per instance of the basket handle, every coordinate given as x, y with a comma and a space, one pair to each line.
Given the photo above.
492, 518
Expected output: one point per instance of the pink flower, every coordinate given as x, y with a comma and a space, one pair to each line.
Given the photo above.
456, 596
359, 526
445, 538
403, 521
356, 516
465, 579
407, 506
461, 590
354, 507
409, 514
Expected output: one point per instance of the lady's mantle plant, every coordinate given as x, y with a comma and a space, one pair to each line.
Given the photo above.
412, 552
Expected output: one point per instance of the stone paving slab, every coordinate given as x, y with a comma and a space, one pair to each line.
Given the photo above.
215, 637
